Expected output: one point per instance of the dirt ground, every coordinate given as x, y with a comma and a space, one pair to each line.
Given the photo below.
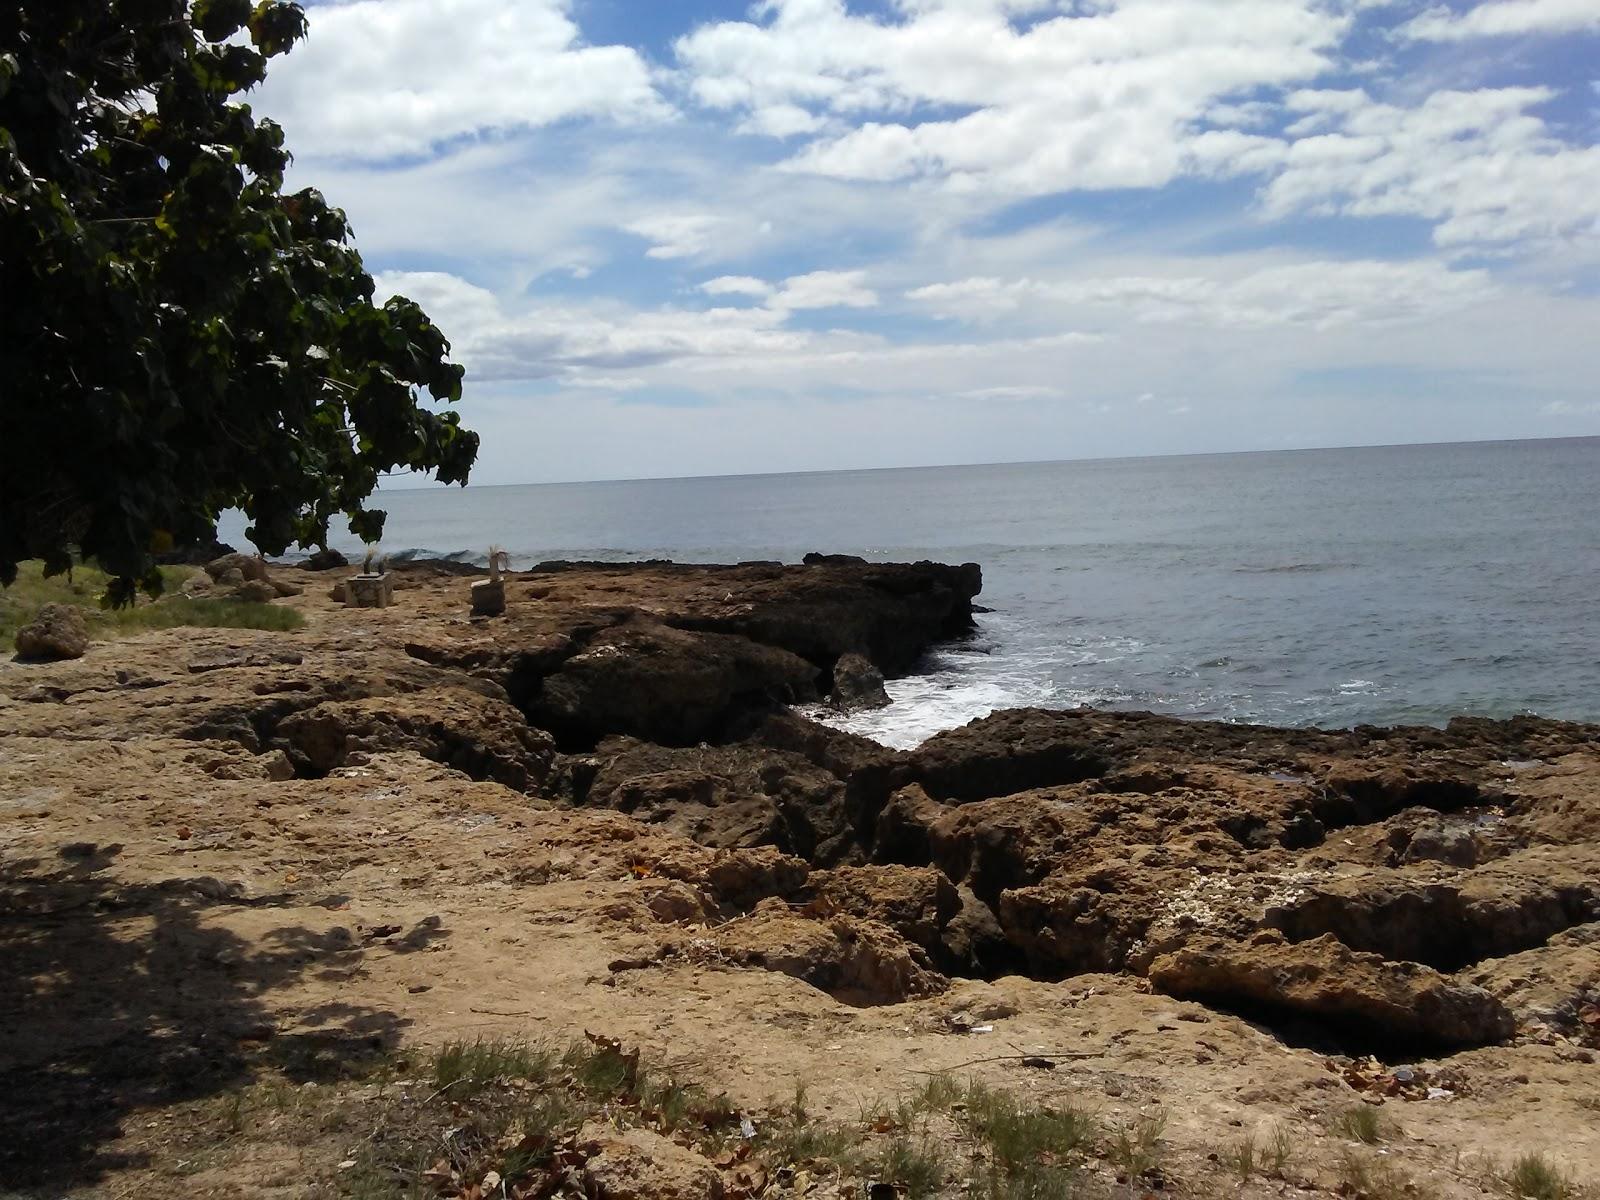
202, 948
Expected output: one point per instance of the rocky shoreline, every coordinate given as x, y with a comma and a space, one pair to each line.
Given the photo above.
1401, 893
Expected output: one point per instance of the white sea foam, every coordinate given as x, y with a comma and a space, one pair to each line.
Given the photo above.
962, 683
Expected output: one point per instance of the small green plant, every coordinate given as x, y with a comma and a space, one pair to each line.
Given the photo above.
1360, 1123
915, 1166
938, 1094
1278, 1153
1373, 1177
467, 1067
1535, 1177
1019, 1136
1135, 1146
1243, 1157
233, 1112
791, 1137
1029, 1183
797, 1105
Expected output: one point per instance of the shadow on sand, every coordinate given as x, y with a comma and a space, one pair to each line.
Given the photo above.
119, 997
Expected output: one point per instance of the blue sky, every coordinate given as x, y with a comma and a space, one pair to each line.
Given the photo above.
711, 237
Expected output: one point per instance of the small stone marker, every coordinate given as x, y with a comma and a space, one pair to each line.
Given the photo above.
489, 595
369, 591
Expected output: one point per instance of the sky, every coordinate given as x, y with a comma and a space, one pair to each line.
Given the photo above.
709, 237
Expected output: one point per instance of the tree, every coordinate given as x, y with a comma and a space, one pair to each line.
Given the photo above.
177, 335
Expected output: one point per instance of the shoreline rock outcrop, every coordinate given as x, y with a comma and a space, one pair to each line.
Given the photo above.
1350, 877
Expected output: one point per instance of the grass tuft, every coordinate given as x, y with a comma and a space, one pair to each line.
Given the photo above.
1244, 1158
1535, 1177
1029, 1183
468, 1067
1360, 1123
1135, 1147
915, 1166
1019, 1136
1373, 1177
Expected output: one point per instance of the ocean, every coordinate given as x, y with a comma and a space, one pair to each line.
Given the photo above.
1403, 584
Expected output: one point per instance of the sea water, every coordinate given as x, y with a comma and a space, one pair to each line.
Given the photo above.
1313, 587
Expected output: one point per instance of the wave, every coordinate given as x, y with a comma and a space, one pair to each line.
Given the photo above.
1294, 568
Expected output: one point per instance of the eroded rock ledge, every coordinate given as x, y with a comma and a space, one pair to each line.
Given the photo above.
1358, 889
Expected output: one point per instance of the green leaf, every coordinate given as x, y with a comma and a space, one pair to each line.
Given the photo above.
180, 337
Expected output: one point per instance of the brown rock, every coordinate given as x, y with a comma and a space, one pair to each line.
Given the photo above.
1511, 905
255, 591
916, 902
1327, 979
483, 737
743, 794
636, 1164
742, 878
58, 631
855, 960
1556, 985
249, 566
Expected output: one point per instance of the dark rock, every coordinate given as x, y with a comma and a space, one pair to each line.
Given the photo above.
742, 794
667, 685
195, 553
890, 613
1007, 752
326, 559
972, 942
857, 684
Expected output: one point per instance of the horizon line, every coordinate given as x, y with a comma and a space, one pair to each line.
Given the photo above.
1022, 462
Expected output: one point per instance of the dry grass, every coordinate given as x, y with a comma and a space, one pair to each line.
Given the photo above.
20, 602
1369, 1176
1536, 1178
1360, 1123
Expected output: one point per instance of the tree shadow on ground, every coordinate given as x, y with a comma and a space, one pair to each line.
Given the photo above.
117, 997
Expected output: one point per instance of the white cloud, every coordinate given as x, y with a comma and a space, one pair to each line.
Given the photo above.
1107, 95
383, 78
546, 342
780, 121
825, 289
1478, 164
1502, 18
677, 236
736, 285
819, 289
1319, 295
